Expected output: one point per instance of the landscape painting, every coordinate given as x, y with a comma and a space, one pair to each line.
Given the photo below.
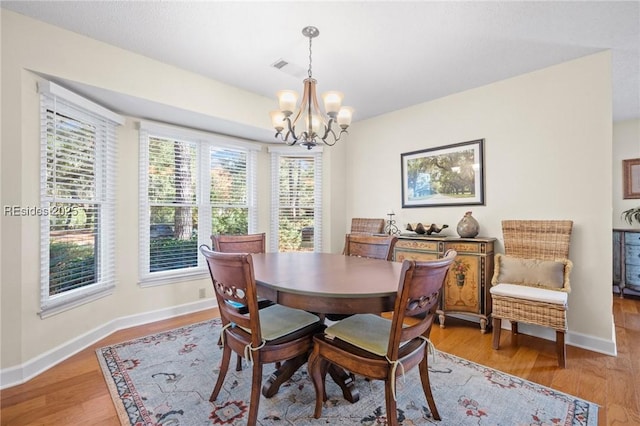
444, 176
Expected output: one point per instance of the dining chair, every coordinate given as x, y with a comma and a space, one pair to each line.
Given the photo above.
366, 245
273, 334
371, 246
242, 243
367, 225
377, 347
530, 282
250, 243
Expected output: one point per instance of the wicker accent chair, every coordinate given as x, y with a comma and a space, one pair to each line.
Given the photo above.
531, 280
361, 225
269, 335
376, 347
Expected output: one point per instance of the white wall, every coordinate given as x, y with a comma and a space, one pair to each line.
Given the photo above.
29, 46
548, 142
626, 145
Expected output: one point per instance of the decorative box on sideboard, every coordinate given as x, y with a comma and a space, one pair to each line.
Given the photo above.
626, 261
466, 289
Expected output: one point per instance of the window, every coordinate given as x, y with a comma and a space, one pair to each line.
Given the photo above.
296, 200
192, 184
76, 200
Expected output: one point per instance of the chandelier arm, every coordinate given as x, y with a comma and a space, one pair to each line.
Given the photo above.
342, 132
291, 130
328, 128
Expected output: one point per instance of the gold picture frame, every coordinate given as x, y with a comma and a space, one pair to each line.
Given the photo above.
631, 178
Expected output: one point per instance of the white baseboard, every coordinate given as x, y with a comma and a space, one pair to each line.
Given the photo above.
20, 374
584, 341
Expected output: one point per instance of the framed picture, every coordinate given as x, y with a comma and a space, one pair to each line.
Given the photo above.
631, 178
451, 175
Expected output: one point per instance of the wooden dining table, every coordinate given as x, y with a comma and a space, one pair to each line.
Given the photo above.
325, 283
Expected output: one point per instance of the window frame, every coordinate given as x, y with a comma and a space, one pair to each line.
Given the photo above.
205, 142
61, 101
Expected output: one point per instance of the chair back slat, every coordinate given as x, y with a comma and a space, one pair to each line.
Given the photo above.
418, 295
234, 281
367, 225
537, 239
371, 246
251, 243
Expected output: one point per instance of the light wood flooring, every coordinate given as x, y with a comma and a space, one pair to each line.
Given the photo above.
74, 392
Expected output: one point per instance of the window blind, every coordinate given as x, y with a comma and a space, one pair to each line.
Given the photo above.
196, 184
77, 201
296, 201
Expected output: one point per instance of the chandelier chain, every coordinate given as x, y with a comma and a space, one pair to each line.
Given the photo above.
309, 72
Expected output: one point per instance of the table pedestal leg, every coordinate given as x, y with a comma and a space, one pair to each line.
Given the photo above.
281, 375
277, 378
346, 383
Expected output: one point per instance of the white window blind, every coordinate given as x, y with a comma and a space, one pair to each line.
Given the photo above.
193, 184
296, 200
173, 208
77, 198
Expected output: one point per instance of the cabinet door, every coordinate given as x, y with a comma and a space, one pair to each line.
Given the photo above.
617, 259
461, 288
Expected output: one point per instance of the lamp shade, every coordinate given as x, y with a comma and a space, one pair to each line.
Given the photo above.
287, 100
277, 120
332, 102
344, 116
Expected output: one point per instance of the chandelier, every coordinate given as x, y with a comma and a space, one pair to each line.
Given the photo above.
308, 124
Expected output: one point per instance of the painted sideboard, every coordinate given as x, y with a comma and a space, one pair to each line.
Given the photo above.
626, 261
466, 289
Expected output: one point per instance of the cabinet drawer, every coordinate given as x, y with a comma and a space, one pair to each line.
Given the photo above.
417, 245
633, 275
400, 255
632, 255
632, 238
463, 247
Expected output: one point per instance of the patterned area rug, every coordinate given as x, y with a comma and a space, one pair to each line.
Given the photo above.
166, 379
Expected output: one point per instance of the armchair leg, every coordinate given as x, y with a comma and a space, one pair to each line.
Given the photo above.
497, 327
561, 349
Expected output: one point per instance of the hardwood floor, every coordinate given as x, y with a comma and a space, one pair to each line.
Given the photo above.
74, 392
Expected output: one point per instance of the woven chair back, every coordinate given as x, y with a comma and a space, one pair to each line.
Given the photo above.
371, 246
251, 243
537, 239
367, 226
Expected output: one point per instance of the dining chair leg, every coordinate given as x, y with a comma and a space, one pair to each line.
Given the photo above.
497, 328
317, 368
254, 402
224, 366
238, 363
514, 327
426, 387
392, 412
561, 349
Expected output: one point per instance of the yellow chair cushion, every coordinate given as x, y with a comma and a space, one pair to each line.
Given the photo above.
277, 321
366, 331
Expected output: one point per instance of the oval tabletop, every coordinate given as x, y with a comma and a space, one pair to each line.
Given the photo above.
327, 283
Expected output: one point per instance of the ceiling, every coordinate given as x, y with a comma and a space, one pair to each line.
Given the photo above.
384, 56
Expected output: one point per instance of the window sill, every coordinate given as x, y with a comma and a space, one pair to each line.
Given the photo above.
164, 279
